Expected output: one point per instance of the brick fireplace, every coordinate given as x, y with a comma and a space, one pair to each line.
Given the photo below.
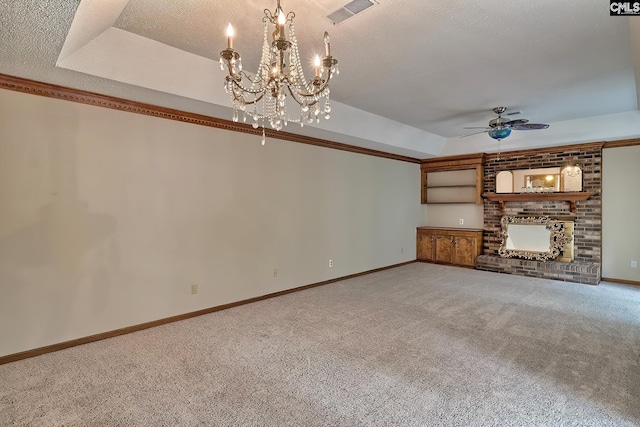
586, 265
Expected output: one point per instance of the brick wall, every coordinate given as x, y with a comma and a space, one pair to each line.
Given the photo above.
587, 218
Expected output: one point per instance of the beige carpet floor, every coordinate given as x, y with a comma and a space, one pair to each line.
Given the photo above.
418, 345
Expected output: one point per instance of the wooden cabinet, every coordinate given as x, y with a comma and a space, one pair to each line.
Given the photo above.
425, 248
457, 246
456, 179
444, 248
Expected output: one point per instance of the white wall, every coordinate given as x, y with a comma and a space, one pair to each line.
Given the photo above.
107, 218
620, 213
449, 215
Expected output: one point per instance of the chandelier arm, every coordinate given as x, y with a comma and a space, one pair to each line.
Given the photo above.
268, 16
228, 55
237, 82
245, 102
242, 88
320, 87
307, 94
273, 18
248, 77
295, 96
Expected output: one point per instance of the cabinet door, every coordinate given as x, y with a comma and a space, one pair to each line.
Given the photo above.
444, 249
465, 251
425, 247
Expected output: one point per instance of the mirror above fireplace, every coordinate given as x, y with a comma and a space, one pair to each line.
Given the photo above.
567, 179
536, 238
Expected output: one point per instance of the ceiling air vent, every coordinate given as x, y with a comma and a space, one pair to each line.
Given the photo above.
349, 10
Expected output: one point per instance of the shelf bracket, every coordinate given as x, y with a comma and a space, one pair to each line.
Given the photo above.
573, 206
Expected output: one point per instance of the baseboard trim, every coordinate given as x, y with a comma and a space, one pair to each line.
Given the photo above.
626, 282
104, 335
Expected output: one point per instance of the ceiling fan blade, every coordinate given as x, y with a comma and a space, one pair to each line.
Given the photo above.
476, 127
474, 133
531, 126
514, 123
512, 113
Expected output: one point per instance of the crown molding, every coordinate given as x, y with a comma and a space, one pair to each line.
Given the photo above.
622, 143
33, 87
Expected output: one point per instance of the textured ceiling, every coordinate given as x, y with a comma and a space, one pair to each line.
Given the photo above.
433, 67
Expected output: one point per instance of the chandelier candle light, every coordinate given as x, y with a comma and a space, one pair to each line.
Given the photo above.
279, 75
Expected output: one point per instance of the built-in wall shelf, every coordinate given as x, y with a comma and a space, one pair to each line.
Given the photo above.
571, 197
452, 180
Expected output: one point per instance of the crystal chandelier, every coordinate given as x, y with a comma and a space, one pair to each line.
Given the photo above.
263, 96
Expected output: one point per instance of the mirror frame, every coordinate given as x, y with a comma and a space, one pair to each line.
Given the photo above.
557, 238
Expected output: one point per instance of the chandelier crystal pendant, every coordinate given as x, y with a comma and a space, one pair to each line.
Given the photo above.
263, 96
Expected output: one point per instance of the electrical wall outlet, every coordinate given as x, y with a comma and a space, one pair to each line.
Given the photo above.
401, 250
275, 272
330, 263
461, 221
194, 288
634, 264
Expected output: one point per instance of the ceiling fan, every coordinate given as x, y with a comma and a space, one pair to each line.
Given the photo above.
501, 127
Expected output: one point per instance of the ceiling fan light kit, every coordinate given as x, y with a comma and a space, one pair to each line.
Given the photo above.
279, 77
499, 133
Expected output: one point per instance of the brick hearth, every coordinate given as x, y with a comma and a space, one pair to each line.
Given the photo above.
588, 273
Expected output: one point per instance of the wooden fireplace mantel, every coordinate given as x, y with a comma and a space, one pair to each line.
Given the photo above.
571, 197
